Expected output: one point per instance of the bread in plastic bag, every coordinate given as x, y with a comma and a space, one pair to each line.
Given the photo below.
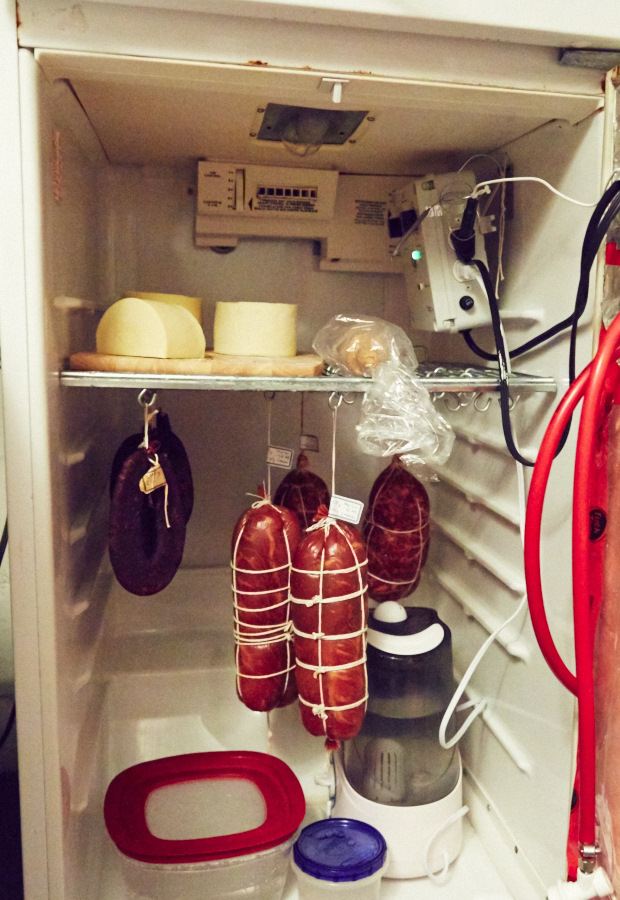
355, 346
399, 419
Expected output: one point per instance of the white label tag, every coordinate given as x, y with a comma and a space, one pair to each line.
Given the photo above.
309, 442
279, 456
346, 509
152, 479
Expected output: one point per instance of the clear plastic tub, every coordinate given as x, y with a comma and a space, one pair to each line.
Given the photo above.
217, 825
339, 857
311, 888
259, 876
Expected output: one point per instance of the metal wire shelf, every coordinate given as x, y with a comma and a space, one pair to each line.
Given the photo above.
436, 378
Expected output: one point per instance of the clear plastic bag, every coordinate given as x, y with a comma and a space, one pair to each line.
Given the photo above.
399, 419
355, 346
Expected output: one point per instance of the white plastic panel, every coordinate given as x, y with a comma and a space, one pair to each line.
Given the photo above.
551, 23
151, 111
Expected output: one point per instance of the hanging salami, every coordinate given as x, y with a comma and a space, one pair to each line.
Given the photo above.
151, 501
330, 613
302, 491
165, 442
396, 533
264, 540
146, 528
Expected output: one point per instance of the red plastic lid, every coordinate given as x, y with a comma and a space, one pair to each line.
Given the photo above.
127, 796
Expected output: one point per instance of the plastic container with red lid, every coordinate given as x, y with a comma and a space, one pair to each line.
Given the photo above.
218, 825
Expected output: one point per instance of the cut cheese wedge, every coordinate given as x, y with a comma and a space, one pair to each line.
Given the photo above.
136, 327
193, 304
255, 329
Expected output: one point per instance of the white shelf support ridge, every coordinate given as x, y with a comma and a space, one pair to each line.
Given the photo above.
508, 639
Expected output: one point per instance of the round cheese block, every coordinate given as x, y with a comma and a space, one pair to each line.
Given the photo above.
255, 329
193, 304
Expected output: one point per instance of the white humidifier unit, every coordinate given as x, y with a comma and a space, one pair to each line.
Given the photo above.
395, 774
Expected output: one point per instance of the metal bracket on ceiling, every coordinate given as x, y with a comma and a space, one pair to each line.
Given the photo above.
335, 86
603, 60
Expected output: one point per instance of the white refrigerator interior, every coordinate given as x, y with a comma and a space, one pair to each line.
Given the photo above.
117, 105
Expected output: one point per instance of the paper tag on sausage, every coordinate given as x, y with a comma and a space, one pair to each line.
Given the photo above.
309, 442
152, 479
280, 457
346, 509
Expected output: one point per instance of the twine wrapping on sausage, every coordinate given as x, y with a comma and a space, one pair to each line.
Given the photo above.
321, 709
423, 542
396, 551
248, 634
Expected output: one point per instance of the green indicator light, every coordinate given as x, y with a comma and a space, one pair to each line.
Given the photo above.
416, 254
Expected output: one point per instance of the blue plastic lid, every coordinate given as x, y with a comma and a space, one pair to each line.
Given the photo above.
340, 850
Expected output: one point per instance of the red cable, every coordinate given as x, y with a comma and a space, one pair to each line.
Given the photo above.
591, 385
533, 523
594, 398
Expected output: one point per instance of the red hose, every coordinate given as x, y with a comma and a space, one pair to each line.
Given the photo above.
533, 522
591, 385
584, 624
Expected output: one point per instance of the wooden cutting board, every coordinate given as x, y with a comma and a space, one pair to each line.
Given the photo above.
303, 365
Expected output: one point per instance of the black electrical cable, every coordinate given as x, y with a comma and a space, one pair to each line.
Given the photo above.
11, 720
4, 540
483, 354
603, 215
504, 393
8, 727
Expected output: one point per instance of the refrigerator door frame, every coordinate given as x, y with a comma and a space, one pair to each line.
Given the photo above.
20, 434
24, 371
551, 24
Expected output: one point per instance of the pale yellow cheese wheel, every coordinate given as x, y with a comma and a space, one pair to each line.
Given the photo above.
255, 329
136, 327
193, 304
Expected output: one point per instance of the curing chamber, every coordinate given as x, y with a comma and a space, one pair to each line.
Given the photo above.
118, 130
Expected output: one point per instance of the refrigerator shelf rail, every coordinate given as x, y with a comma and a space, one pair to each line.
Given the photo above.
438, 379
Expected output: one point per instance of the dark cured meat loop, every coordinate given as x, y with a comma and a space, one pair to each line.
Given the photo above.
145, 553
161, 438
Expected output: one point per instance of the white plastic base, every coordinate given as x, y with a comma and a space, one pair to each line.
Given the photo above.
595, 884
407, 829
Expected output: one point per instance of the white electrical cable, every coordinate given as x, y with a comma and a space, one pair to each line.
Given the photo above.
481, 704
441, 877
481, 156
477, 707
482, 184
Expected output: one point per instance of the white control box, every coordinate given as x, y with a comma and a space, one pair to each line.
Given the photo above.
358, 237
346, 214
251, 192
444, 294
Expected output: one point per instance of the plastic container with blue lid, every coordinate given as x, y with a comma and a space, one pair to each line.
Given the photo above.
339, 856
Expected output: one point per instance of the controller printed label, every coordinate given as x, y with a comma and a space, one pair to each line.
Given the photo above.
280, 457
346, 509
